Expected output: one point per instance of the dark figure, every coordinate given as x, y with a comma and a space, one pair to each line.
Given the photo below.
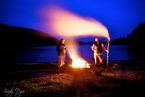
98, 48
61, 50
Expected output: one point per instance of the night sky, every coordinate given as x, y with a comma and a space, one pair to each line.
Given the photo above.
119, 16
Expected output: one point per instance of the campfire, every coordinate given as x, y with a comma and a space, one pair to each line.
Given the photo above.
68, 25
78, 63
76, 60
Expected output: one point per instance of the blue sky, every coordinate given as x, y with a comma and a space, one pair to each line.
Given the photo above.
119, 16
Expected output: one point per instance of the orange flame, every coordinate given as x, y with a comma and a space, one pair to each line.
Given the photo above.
68, 25
77, 61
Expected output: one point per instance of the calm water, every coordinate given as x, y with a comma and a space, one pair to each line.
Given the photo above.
49, 54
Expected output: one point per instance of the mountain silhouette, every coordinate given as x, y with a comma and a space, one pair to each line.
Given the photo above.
14, 39
25, 37
136, 42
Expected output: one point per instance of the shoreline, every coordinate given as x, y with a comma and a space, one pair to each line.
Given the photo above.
48, 81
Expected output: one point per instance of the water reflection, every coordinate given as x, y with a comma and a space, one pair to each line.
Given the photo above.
49, 54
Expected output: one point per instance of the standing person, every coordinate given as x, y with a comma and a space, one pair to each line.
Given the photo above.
61, 50
98, 48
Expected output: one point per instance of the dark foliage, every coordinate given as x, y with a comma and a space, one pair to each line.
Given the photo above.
136, 44
13, 39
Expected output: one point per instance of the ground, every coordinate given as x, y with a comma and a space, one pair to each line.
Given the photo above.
46, 80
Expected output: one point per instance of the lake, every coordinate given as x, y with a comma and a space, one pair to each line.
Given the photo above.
49, 54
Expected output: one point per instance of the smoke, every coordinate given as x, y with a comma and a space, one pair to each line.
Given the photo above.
68, 25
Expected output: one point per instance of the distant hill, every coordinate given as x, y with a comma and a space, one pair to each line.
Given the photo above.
19, 36
14, 39
136, 42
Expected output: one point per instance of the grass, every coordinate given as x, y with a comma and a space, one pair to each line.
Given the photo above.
79, 83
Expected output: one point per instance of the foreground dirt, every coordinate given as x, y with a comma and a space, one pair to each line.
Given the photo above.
69, 82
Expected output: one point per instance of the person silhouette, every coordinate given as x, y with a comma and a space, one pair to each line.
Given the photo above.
98, 48
61, 51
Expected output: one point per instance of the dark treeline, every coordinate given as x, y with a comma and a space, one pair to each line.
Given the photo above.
14, 39
136, 42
